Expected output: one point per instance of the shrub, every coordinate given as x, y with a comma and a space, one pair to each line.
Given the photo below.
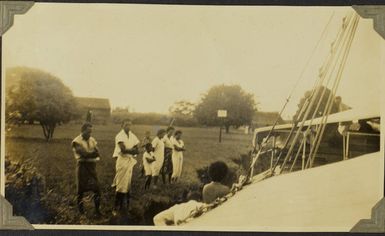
25, 189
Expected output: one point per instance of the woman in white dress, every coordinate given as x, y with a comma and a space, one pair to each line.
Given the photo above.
126, 148
177, 155
158, 146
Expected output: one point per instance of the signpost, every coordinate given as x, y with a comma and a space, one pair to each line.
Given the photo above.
221, 114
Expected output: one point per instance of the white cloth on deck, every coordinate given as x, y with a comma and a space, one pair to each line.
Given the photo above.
124, 162
177, 213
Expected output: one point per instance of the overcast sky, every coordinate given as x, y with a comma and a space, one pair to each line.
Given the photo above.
149, 56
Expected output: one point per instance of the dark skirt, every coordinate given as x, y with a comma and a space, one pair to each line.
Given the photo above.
87, 179
167, 163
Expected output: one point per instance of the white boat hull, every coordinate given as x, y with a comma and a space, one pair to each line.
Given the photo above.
333, 197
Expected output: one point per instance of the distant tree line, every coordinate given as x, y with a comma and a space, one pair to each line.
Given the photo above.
119, 114
240, 107
36, 96
181, 113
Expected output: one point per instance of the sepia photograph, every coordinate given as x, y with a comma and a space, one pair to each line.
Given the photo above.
188, 117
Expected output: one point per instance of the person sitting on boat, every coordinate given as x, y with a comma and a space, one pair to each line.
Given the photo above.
211, 191
179, 213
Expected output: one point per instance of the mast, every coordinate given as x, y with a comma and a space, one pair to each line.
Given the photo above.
335, 61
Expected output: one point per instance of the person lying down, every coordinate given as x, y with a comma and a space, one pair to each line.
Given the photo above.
179, 213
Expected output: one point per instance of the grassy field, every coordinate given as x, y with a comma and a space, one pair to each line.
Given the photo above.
55, 161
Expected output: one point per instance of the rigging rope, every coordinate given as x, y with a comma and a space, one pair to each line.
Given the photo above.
306, 107
304, 69
323, 34
251, 170
343, 39
304, 119
322, 75
321, 128
339, 76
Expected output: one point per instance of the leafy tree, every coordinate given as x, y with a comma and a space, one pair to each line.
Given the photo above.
39, 96
240, 106
182, 108
183, 113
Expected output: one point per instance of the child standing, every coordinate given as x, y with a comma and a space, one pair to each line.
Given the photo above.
146, 139
148, 159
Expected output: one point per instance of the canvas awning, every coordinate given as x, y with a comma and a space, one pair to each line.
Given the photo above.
348, 115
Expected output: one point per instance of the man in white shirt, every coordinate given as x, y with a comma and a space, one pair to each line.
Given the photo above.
86, 154
126, 148
158, 145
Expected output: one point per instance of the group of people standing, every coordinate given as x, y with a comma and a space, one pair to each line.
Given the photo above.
162, 155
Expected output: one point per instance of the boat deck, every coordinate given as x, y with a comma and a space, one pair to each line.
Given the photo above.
326, 198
